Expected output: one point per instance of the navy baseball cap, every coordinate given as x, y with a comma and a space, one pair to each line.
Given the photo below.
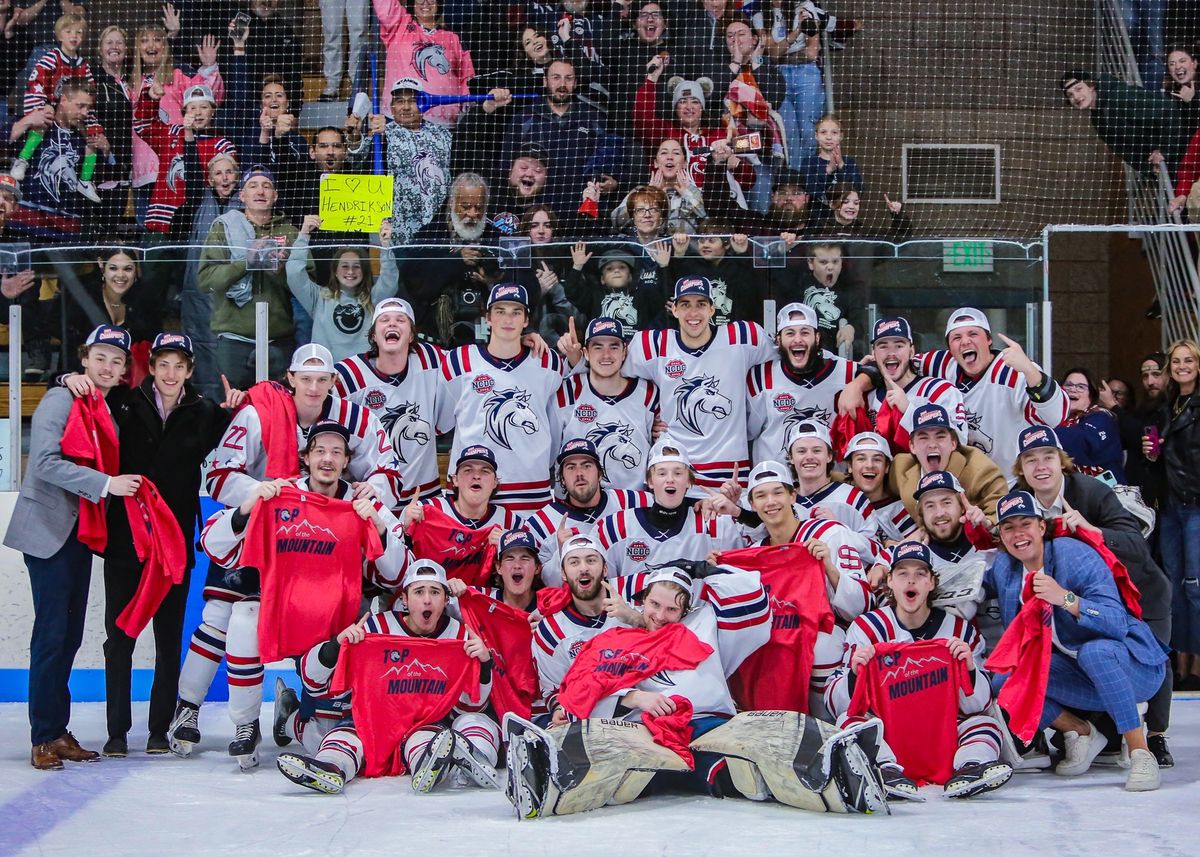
604, 326
891, 325
937, 480
508, 293
109, 334
513, 539
1037, 437
476, 452
930, 416
1016, 504
258, 170
577, 446
329, 427
915, 551
172, 342
698, 287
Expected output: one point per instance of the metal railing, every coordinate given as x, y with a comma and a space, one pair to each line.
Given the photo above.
1168, 251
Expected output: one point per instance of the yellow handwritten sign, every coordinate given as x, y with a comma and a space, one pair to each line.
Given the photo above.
352, 203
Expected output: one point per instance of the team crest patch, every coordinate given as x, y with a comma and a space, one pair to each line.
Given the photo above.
675, 368
784, 402
586, 413
483, 384
375, 400
638, 551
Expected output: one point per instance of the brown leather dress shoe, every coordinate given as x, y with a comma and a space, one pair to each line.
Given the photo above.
44, 758
68, 748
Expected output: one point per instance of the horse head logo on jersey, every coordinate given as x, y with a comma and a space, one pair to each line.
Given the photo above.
976, 436
175, 173
700, 395
56, 169
614, 441
430, 56
404, 423
430, 177
824, 303
505, 410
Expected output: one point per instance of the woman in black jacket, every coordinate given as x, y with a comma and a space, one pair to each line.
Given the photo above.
114, 112
114, 294
1179, 516
166, 431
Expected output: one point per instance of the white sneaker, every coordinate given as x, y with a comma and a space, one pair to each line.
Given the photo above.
1081, 751
88, 190
1144, 775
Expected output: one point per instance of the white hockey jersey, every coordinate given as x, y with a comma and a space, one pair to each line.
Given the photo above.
882, 626
619, 426
998, 405
732, 614
703, 393
509, 407
852, 597
895, 524
557, 639
780, 399
239, 461
845, 503
406, 406
925, 391
631, 541
544, 523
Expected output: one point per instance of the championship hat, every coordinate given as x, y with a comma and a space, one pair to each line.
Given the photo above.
937, 480
577, 446
697, 287
109, 334
172, 342
1037, 437
508, 293
329, 427
912, 551
1016, 504
514, 539
891, 325
930, 416
475, 452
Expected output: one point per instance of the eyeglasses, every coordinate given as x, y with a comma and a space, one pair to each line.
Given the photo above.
1073, 385
651, 16
646, 210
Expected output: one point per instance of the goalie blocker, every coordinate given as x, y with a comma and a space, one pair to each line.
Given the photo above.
797, 760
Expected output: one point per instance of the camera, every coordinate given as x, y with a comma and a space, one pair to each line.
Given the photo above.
468, 303
810, 27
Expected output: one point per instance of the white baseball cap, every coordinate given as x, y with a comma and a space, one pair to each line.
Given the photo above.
769, 473
967, 316
666, 450
393, 305
199, 92
424, 570
580, 542
796, 315
668, 574
312, 351
808, 428
868, 441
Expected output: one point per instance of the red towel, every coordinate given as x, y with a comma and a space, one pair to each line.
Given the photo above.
160, 546
777, 675
1095, 540
276, 411
1024, 653
90, 440
552, 599
309, 552
887, 423
913, 688
465, 553
621, 657
674, 730
506, 632
400, 684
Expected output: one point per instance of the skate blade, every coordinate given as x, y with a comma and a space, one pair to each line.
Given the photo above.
247, 763
440, 755
318, 781
993, 778
182, 749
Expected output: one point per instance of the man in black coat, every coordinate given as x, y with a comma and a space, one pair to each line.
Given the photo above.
166, 431
1085, 502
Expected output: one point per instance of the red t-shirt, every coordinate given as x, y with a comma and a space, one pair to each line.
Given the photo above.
309, 552
463, 552
1024, 653
913, 688
506, 632
400, 684
159, 545
90, 440
777, 675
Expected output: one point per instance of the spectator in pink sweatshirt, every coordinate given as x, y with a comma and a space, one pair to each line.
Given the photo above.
419, 47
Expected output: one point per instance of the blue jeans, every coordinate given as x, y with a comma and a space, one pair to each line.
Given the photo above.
802, 106
1179, 544
1145, 21
60, 596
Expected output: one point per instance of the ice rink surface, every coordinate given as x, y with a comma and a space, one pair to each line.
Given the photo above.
162, 805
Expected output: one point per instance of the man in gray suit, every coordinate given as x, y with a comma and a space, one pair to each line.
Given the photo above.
44, 527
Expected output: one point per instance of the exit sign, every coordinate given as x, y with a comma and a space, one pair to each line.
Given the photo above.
970, 256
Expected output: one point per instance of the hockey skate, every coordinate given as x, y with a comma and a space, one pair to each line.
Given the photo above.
978, 777
286, 703
184, 732
311, 773
435, 762
478, 770
244, 746
529, 766
898, 785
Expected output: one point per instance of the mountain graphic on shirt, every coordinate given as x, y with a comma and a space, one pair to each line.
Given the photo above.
911, 665
305, 530
415, 669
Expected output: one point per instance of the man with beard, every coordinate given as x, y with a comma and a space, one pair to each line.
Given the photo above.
786, 217
572, 134
935, 446
399, 380
444, 263
584, 504
616, 414
801, 383
1134, 421
868, 459
558, 638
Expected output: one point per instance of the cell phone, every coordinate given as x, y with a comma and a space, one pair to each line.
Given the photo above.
1151, 433
241, 24
744, 143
